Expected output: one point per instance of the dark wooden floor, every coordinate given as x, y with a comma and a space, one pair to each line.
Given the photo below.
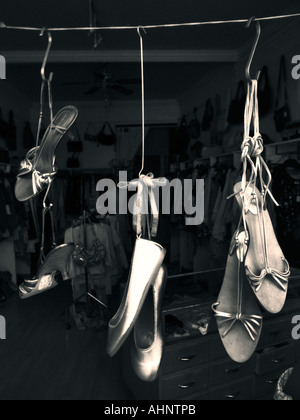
42, 360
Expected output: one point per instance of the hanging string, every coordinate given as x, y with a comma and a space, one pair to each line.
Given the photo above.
143, 99
170, 25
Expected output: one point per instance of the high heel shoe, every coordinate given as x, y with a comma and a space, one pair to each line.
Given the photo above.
57, 260
147, 343
147, 259
38, 169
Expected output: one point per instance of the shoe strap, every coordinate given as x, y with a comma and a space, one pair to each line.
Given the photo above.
40, 180
252, 148
145, 211
61, 130
27, 163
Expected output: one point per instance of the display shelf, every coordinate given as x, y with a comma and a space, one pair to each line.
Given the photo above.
282, 143
283, 147
236, 154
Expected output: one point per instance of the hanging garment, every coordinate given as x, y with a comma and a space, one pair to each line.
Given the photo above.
103, 253
237, 106
264, 92
219, 229
282, 113
208, 116
286, 189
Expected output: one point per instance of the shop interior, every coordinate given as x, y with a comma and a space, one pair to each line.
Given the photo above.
187, 101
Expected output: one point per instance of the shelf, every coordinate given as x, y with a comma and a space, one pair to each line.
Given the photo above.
282, 143
184, 165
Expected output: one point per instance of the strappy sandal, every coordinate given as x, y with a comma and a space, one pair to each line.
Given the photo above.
43, 284
265, 265
237, 313
38, 169
57, 261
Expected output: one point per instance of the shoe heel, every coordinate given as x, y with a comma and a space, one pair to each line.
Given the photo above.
65, 275
58, 260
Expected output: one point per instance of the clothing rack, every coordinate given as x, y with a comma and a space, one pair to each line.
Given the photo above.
87, 293
195, 273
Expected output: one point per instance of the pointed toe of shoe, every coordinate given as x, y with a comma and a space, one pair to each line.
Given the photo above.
23, 187
146, 362
237, 344
116, 338
270, 298
147, 343
146, 262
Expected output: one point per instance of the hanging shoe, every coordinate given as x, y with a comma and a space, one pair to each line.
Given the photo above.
266, 267
147, 259
147, 342
57, 260
237, 312
43, 284
38, 168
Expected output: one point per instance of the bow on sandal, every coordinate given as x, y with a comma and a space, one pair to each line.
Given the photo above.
237, 312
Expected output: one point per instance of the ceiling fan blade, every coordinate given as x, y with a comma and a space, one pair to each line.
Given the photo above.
122, 89
129, 81
75, 83
98, 76
93, 90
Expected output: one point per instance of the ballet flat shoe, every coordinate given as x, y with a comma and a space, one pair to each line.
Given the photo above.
147, 340
147, 259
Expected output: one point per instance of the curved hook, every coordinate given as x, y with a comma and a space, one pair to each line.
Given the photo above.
46, 56
139, 31
258, 33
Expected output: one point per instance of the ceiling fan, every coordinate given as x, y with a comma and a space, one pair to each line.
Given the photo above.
104, 81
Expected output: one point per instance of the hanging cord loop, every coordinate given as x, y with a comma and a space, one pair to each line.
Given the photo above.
143, 97
145, 209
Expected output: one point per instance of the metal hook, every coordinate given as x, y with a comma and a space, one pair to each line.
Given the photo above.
139, 30
258, 33
46, 56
